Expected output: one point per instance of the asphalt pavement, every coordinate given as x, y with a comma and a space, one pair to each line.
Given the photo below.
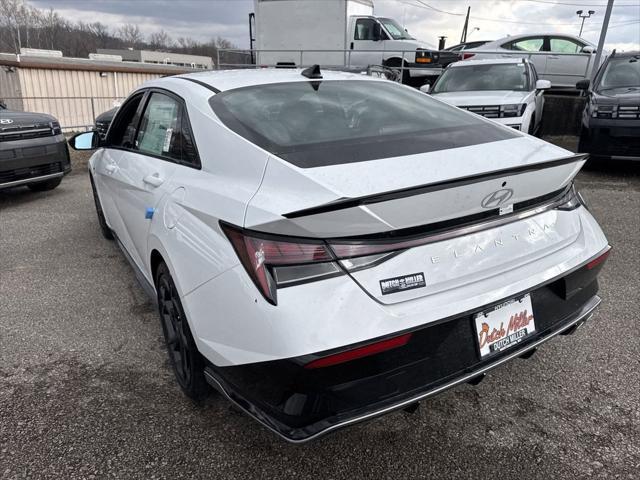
86, 390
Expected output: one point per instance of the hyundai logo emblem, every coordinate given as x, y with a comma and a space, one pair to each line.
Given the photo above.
5, 121
497, 198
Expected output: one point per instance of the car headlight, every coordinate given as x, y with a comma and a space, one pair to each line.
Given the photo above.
604, 111
513, 110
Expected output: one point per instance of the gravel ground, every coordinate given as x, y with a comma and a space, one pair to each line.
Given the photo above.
86, 390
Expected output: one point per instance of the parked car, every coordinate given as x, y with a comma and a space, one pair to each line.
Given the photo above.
342, 33
327, 247
33, 150
103, 121
611, 117
563, 59
467, 45
505, 90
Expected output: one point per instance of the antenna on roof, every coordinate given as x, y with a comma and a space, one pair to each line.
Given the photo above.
312, 72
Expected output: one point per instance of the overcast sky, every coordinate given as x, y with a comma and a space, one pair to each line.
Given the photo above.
205, 19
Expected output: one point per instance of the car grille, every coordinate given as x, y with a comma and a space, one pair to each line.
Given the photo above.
24, 132
30, 172
489, 111
629, 112
102, 128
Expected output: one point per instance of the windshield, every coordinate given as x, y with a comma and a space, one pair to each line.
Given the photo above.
620, 73
395, 30
323, 123
505, 76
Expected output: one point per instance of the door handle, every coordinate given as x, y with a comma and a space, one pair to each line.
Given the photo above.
153, 180
553, 57
111, 167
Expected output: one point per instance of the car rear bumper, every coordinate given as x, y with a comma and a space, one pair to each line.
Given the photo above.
33, 160
300, 404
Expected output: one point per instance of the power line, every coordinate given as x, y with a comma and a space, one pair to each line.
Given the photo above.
427, 6
552, 2
430, 7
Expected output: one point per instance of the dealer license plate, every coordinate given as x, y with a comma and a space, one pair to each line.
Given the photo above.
504, 325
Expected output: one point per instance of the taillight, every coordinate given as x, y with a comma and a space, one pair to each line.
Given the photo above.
597, 261
272, 262
360, 352
467, 56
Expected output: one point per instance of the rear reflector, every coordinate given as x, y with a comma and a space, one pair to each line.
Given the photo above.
360, 352
597, 261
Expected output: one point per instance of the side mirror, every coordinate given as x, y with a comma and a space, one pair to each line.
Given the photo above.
588, 49
426, 88
377, 32
543, 85
583, 84
85, 141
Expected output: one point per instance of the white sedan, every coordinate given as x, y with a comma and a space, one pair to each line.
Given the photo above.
326, 247
507, 90
560, 58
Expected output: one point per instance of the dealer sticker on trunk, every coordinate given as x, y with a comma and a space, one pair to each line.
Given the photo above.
505, 325
400, 284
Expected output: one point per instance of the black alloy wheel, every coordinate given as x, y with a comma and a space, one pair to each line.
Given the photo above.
188, 364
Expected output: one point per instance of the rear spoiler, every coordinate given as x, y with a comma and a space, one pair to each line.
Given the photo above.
344, 203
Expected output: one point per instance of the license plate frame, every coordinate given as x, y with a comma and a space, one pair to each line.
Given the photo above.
504, 326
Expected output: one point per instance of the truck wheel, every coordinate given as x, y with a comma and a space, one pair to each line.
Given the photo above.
46, 185
187, 362
104, 228
397, 63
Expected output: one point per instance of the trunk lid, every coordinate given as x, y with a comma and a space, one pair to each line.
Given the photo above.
374, 197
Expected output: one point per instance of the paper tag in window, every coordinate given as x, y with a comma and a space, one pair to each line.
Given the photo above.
167, 139
506, 209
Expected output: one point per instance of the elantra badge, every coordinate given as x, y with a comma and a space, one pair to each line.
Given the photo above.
400, 284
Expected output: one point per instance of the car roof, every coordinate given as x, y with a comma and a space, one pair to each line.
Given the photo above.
510, 38
223, 80
487, 61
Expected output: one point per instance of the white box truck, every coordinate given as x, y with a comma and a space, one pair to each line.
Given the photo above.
339, 33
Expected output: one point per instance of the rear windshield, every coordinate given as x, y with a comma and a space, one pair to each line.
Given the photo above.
320, 123
472, 78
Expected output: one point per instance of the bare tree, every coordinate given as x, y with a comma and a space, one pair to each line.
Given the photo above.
10, 20
130, 34
160, 40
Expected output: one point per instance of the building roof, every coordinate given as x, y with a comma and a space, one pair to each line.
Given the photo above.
68, 63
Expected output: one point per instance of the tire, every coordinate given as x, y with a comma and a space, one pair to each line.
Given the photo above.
187, 362
46, 185
104, 228
397, 63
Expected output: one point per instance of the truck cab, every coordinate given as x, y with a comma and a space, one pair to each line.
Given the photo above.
340, 33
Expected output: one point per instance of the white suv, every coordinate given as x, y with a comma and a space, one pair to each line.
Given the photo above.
507, 91
327, 247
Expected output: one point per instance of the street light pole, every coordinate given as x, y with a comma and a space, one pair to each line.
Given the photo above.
584, 17
603, 34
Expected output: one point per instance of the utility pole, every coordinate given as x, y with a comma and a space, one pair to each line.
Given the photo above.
603, 35
463, 38
584, 17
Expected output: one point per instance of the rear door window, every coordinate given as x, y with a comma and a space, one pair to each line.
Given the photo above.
564, 45
165, 131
